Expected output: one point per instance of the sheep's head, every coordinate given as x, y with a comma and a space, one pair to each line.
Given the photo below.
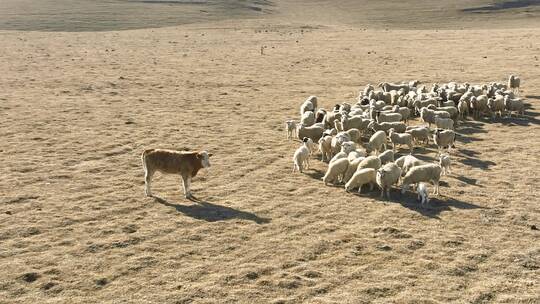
404, 188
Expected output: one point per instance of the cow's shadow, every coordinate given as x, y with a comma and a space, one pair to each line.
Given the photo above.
207, 211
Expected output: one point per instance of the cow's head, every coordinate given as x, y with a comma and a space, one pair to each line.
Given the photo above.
204, 157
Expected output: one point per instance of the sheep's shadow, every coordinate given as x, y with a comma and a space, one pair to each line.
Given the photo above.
209, 212
469, 181
315, 174
477, 163
432, 209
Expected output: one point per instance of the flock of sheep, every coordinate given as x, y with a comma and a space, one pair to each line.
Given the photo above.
353, 138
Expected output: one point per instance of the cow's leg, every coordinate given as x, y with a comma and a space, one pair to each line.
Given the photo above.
148, 181
185, 184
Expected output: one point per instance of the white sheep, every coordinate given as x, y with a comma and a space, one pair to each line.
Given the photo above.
337, 140
387, 176
443, 139
420, 134
403, 111
400, 139
311, 145
290, 126
386, 157
385, 126
424, 173
325, 146
314, 132
514, 105
370, 162
444, 123
377, 142
387, 86
313, 100
360, 178
353, 166
463, 109
496, 105
356, 122
388, 117
478, 105
513, 83
301, 157
423, 194
445, 162
410, 162
346, 148
356, 154
308, 118
336, 170
306, 106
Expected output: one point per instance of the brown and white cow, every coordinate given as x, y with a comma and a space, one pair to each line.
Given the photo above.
184, 163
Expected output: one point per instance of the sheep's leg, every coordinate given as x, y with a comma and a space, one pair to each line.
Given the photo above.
148, 182
359, 189
370, 186
382, 192
436, 184
388, 192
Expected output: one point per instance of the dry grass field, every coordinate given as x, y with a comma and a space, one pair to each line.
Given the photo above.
78, 108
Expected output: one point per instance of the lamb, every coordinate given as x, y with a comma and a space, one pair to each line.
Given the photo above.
403, 111
423, 195
463, 109
400, 139
325, 146
290, 126
513, 83
377, 141
444, 123
424, 173
301, 157
314, 132
385, 126
308, 118
335, 171
444, 138
387, 176
388, 117
514, 105
445, 162
360, 178
420, 134
386, 157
